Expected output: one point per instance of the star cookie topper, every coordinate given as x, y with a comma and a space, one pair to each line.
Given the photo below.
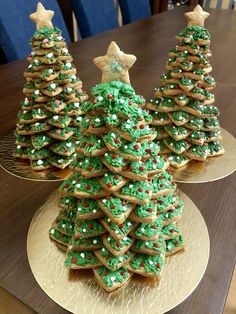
197, 16
115, 64
42, 17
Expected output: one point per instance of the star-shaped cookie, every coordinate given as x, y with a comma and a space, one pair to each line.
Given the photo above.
115, 64
197, 16
42, 17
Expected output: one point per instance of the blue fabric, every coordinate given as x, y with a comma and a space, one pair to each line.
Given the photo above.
133, 10
16, 28
94, 16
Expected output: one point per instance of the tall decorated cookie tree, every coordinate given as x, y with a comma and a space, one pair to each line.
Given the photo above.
119, 211
183, 111
50, 113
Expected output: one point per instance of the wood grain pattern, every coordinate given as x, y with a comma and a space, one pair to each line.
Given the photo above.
150, 41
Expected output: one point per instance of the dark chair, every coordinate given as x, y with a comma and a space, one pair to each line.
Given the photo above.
133, 10
16, 28
94, 16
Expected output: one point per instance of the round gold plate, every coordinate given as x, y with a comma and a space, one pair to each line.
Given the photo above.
212, 169
78, 292
21, 168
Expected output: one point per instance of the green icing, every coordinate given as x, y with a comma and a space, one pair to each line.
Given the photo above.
137, 167
173, 243
178, 146
160, 116
114, 160
113, 261
56, 235
133, 148
134, 130
91, 143
149, 149
163, 181
68, 185
177, 158
112, 277
111, 179
119, 245
173, 212
87, 206
86, 243
82, 258
122, 229
63, 147
166, 200
214, 147
66, 214
140, 190
169, 230
114, 139
176, 131
144, 211
211, 122
157, 245
92, 164
151, 263
40, 153
186, 81
64, 226
196, 122
115, 205
91, 186
199, 150
23, 140
149, 229
179, 115
59, 120
69, 202
154, 163
89, 228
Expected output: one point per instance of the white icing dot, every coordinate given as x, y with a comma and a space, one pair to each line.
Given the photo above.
121, 259
94, 211
69, 89
60, 161
131, 186
126, 146
106, 155
36, 92
113, 135
95, 241
109, 239
33, 151
72, 76
108, 219
97, 120
49, 55
68, 144
76, 104
147, 243
79, 118
73, 182
113, 278
53, 85
104, 201
125, 238
39, 162
114, 116
50, 71
63, 226
79, 209
84, 230
142, 229
70, 247
18, 146
103, 249
122, 101
129, 224
151, 262
78, 185
68, 65
82, 255
52, 231
106, 175
65, 50
116, 231
67, 201
26, 101
55, 117
99, 98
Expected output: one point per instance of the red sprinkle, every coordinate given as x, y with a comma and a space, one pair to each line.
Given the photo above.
135, 127
116, 177
87, 187
121, 226
130, 102
149, 210
90, 226
109, 96
114, 156
86, 205
130, 168
155, 244
112, 206
118, 244
122, 273
171, 210
141, 168
73, 260
67, 185
79, 224
158, 265
116, 140
91, 144
155, 161
161, 185
160, 202
90, 168
147, 191
136, 147
123, 203
141, 126
172, 230
142, 264
89, 257
153, 227
108, 185
140, 189
148, 150
161, 178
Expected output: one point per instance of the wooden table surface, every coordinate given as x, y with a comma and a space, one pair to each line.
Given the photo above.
150, 40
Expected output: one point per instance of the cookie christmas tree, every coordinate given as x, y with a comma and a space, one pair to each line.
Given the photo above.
183, 111
50, 113
121, 201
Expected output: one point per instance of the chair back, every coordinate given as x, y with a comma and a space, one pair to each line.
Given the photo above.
220, 4
94, 16
133, 10
16, 28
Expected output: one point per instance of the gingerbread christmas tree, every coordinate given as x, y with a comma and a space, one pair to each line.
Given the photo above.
50, 113
120, 208
183, 112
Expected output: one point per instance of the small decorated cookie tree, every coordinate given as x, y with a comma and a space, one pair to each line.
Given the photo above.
51, 109
183, 111
121, 200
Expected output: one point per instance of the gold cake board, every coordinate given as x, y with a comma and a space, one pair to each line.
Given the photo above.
213, 168
78, 292
21, 168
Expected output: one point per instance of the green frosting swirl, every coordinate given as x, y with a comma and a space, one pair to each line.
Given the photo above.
149, 229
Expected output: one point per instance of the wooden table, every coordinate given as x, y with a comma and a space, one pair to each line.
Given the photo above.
150, 41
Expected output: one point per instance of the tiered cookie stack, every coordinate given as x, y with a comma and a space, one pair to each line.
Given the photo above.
120, 207
50, 113
183, 111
